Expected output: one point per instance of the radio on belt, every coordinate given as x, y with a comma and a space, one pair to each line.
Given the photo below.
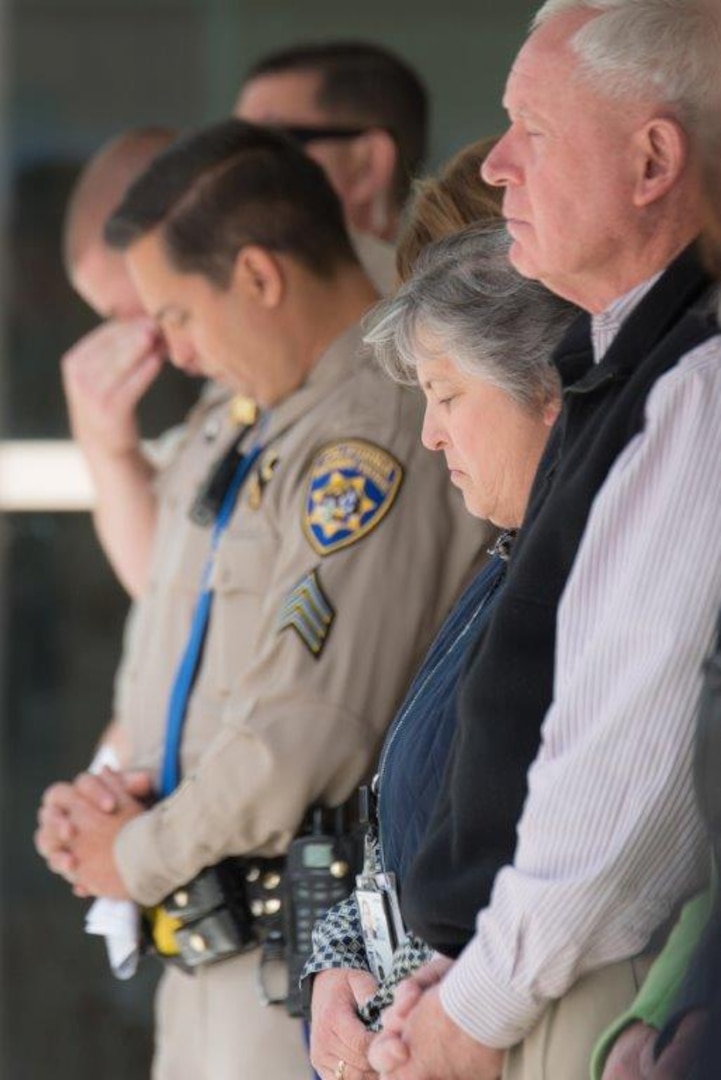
320, 872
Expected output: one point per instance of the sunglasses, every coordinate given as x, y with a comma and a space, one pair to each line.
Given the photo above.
305, 135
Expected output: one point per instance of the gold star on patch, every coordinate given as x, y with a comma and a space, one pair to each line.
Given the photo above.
340, 505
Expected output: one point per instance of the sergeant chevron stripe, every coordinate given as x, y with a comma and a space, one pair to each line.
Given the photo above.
308, 611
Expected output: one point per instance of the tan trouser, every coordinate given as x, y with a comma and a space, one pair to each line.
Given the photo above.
560, 1045
211, 1026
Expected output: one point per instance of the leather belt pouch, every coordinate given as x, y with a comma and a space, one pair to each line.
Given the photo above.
215, 921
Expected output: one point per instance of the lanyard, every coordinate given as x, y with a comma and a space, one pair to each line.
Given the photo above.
190, 661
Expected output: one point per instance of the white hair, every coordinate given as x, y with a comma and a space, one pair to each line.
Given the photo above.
465, 301
669, 49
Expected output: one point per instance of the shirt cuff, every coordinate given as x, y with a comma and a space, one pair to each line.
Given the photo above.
141, 862
495, 1015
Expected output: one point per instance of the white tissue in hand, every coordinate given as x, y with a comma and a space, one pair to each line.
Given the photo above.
118, 921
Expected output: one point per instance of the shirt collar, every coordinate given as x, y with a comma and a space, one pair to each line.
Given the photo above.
607, 324
338, 363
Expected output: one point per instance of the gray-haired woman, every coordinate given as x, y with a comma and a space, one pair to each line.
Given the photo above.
478, 339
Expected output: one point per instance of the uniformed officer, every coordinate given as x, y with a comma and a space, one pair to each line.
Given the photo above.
109, 370
325, 578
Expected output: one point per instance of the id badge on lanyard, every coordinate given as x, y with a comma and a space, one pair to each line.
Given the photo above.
381, 922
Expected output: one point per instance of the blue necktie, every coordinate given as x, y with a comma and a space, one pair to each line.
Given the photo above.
190, 662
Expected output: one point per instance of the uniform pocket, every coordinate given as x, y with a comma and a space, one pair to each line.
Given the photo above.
240, 582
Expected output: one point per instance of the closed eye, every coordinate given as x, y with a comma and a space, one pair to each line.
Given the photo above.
172, 316
176, 320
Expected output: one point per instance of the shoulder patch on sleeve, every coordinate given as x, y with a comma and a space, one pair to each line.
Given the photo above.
353, 485
307, 610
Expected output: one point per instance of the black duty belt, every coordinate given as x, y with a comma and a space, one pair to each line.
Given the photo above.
248, 902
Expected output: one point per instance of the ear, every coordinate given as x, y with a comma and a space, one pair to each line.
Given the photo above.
662, 154
258, 273
551, 409
374, 161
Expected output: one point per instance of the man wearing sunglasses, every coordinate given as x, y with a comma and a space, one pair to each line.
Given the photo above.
358, 110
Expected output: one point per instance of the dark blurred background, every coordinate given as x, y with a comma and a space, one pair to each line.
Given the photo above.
72, 74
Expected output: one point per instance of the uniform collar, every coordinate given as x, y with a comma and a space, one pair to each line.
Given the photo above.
336, 364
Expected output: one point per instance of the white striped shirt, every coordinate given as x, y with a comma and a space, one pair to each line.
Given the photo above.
607, 324
610, 841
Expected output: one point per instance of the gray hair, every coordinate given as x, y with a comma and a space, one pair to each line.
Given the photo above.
666, 48
465, 301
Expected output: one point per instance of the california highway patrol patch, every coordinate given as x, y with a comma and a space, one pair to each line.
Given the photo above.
352, 487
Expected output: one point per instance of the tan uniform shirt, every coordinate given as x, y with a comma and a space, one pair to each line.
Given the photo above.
156, 629
346, 548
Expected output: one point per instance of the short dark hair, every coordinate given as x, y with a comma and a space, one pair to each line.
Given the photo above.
364, 83
223, 187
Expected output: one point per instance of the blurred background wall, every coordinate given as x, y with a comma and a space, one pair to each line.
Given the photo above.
75, 73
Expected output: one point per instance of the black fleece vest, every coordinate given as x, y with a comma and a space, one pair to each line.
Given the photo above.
507, 686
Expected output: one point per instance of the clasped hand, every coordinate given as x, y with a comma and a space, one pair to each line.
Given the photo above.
419, 1040
79, 822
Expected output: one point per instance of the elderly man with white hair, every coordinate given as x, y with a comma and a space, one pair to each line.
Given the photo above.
591, 662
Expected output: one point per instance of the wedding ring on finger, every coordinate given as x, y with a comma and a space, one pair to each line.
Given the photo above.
339, 1070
